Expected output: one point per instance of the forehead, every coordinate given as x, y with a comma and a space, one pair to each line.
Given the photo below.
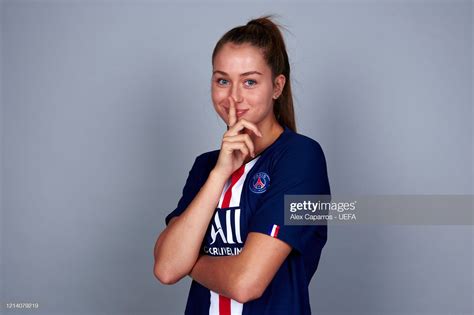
236, 59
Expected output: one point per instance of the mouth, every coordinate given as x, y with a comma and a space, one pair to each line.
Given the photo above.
241, 112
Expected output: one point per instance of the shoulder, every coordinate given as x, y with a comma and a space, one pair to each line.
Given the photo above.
301, 165
298, 148
207, 157
300, 142
202, 166
206, 160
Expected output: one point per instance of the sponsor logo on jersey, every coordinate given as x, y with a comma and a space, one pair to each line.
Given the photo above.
232, 220
259, 183
230, 235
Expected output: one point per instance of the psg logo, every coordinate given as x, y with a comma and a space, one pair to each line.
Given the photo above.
259, 182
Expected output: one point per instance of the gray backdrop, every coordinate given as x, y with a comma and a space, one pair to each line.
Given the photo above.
105, 105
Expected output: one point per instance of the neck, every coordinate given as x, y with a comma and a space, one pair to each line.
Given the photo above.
270, 130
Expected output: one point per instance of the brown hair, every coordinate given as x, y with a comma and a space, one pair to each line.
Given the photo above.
263, 33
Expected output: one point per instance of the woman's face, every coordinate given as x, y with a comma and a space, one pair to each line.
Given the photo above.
241, 72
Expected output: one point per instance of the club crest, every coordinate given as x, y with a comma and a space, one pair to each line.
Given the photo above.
259, 182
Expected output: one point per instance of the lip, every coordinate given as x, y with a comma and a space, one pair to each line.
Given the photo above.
239, 112
242, 112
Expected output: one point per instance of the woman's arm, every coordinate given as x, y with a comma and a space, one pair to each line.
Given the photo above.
178, 246
243, 277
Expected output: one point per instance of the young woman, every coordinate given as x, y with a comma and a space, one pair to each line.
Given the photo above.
228, 231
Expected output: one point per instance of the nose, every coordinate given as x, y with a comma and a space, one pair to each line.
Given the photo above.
236, 95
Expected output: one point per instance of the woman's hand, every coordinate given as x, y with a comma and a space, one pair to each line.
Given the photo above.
235, 146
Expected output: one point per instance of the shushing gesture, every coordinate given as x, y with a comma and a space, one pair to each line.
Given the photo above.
235, 146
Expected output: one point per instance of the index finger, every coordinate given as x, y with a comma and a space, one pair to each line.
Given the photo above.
241, 125
232, 112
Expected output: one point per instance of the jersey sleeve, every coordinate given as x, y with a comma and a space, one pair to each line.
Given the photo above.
190, 190
300, 170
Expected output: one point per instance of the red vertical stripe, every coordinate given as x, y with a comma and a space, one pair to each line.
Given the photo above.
277, 228
224, 302
235, 177
224, 305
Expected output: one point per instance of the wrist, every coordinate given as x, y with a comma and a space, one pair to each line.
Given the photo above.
218, 176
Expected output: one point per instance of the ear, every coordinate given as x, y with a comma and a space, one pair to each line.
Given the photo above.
278, 86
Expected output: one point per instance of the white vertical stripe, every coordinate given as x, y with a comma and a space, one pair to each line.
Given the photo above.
228, 223
237, 225
235, 307
221, 199
214, 307
273, 230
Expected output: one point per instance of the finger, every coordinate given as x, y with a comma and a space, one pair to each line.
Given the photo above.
232, 112
240, 125
242, 138
234, 146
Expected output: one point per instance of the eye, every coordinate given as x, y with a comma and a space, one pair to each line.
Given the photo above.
252, 82
220, 80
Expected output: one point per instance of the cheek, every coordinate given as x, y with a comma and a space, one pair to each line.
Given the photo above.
218, 98
260, 100
218, 95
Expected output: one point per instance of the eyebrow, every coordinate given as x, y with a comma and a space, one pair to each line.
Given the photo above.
242, 74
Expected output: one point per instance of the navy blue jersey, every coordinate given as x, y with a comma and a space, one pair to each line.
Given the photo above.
253, 201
